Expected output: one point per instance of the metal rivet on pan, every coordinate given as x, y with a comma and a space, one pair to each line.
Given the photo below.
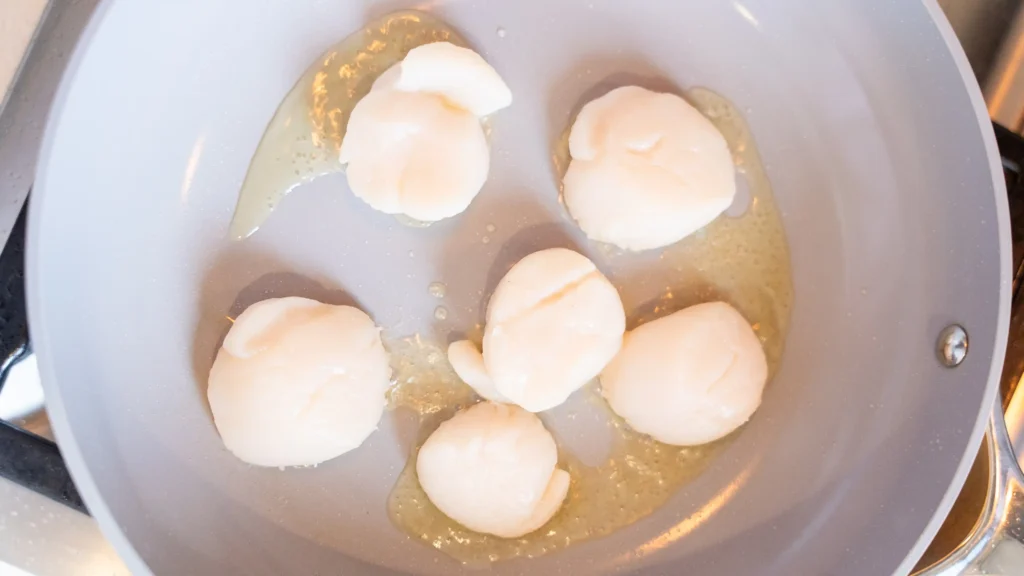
952, 345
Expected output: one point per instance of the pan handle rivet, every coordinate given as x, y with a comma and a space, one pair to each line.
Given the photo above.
952, 345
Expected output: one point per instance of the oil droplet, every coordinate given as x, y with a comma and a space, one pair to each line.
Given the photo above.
501, 32
491, 228
302, 140
486, 240
411, 222
440, 313
437, 289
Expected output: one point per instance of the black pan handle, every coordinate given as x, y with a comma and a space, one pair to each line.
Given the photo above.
27, 459
14, 341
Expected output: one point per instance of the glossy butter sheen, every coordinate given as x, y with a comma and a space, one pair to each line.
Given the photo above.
743, 260
303, 138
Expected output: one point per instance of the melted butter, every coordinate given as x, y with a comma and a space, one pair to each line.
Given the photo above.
743, 260
304, 136
638, 477
424, 381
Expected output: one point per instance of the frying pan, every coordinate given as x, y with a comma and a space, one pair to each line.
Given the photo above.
883, 164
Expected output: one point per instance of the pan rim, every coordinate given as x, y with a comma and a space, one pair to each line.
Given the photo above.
69, 448
102, 513
988, 137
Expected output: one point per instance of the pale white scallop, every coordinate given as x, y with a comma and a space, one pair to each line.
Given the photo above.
298, 382
458, 74
414, 145
411, 153
688, 378
647, 169
468, 363
493, 468
553, 323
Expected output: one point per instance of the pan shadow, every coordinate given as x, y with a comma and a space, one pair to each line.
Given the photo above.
498, 230
523, 243
685, 291
411, 430
514, 223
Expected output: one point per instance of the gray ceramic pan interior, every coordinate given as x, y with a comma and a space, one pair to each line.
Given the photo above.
879, 155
